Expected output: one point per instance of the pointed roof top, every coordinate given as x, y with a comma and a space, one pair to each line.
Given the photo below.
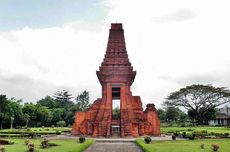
116, 65
116, 54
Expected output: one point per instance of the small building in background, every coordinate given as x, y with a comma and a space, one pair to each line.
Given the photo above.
222, 116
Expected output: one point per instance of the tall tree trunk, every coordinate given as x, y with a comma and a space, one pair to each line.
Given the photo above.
11, 122
1, 124
27, 122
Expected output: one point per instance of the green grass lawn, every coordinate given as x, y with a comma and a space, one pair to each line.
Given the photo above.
37, 130
17, 133
67, 145
221, 130
184, 146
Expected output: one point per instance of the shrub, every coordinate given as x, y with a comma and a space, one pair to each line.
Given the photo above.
47, 129
202, 146
5, 142
45, 143
215, 147
31, 134
27, 141
201, 134
28, 129
226, 134
147, 140
61, 123
81, 139
31, 147
211, 133
219, 134
177, 133
173, 137
2, 148
204, 131
190, 136
58, 132
184, 134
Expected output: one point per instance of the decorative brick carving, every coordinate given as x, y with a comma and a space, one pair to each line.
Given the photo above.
116, 71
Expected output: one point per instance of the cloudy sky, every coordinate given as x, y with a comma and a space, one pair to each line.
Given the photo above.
50, 45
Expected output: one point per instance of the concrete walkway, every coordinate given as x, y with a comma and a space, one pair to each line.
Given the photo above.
113, 144
114, 147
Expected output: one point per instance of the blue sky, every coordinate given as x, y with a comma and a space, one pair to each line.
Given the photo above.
16, 14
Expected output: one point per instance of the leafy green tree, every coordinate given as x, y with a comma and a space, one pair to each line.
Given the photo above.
58, 114
202, 115
199, 99
82, 100
4, 110
116, 113
63, 99
161, 114
183, 116
48, 101
43, 115
26, 119
29, 111
172, 114
17, 117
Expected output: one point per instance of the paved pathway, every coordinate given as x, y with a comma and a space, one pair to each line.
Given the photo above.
114, 147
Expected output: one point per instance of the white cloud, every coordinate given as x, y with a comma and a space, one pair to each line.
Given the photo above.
176, 49
180, 15
62, 56
69, 55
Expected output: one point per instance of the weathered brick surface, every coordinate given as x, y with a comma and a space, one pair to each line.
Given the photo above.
117, 71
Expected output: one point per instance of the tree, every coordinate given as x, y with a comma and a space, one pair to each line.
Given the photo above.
172, 114
26, 118
63, 99
82, 100
16, 115
204, 115
48, 101
161, 114
4, 110
199, 99
116, 113
183, 116
29, 111
58, 114
43, 115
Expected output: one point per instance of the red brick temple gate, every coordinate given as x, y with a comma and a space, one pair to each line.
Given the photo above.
116, 76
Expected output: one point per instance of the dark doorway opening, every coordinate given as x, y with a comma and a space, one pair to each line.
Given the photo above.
116, 93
